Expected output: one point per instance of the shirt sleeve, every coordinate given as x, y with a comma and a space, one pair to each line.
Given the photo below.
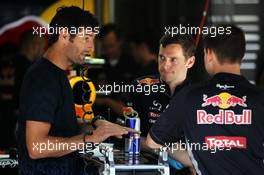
169, 127
39, 97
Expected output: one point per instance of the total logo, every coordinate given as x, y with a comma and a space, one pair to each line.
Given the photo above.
226, 142
224, 100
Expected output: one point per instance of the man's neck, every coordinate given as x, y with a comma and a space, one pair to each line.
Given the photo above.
173, 85
54, 55
228, 68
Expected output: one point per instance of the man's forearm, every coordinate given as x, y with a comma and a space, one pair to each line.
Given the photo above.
179, 153
56, 146
40, 144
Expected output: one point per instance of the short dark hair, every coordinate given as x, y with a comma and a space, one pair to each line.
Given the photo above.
71, 17
185, 40
107, 28
227, 47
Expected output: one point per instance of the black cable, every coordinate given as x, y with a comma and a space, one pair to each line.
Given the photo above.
83, 5
87, 91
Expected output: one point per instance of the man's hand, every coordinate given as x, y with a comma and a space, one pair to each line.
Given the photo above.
105, 129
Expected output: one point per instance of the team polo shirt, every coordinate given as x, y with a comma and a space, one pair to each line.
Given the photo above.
223, 123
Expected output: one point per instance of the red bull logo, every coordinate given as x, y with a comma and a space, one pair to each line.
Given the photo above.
226, 142
226, 117
224, 100
233, 101
215, 100
149, 81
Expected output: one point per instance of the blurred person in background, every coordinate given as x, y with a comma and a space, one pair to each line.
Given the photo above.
119, 64
144, 46
120, 68
31, 49
7, 105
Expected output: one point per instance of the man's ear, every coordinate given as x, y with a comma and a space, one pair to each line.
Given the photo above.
209, 53
64, 35
190, 62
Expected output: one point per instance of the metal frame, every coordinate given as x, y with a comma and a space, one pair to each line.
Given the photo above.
110, 167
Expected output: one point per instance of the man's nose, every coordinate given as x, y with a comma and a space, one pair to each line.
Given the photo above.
90, 46
166, 64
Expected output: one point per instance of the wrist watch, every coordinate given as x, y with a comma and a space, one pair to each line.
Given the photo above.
87, 133
98, 117
88, 144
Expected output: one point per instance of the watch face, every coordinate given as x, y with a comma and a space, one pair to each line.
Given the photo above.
98, 117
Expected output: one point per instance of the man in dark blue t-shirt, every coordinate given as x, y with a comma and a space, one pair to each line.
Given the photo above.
48, 135
222, 119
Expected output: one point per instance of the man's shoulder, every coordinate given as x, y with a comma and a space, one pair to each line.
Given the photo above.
41, 64
190, 90
41, 69
41, 74
211, 86
254, 91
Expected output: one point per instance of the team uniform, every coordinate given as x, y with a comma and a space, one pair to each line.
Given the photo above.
223, 124
150, 105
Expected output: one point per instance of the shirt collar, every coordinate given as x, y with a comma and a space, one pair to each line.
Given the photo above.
177, 88
223, 76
